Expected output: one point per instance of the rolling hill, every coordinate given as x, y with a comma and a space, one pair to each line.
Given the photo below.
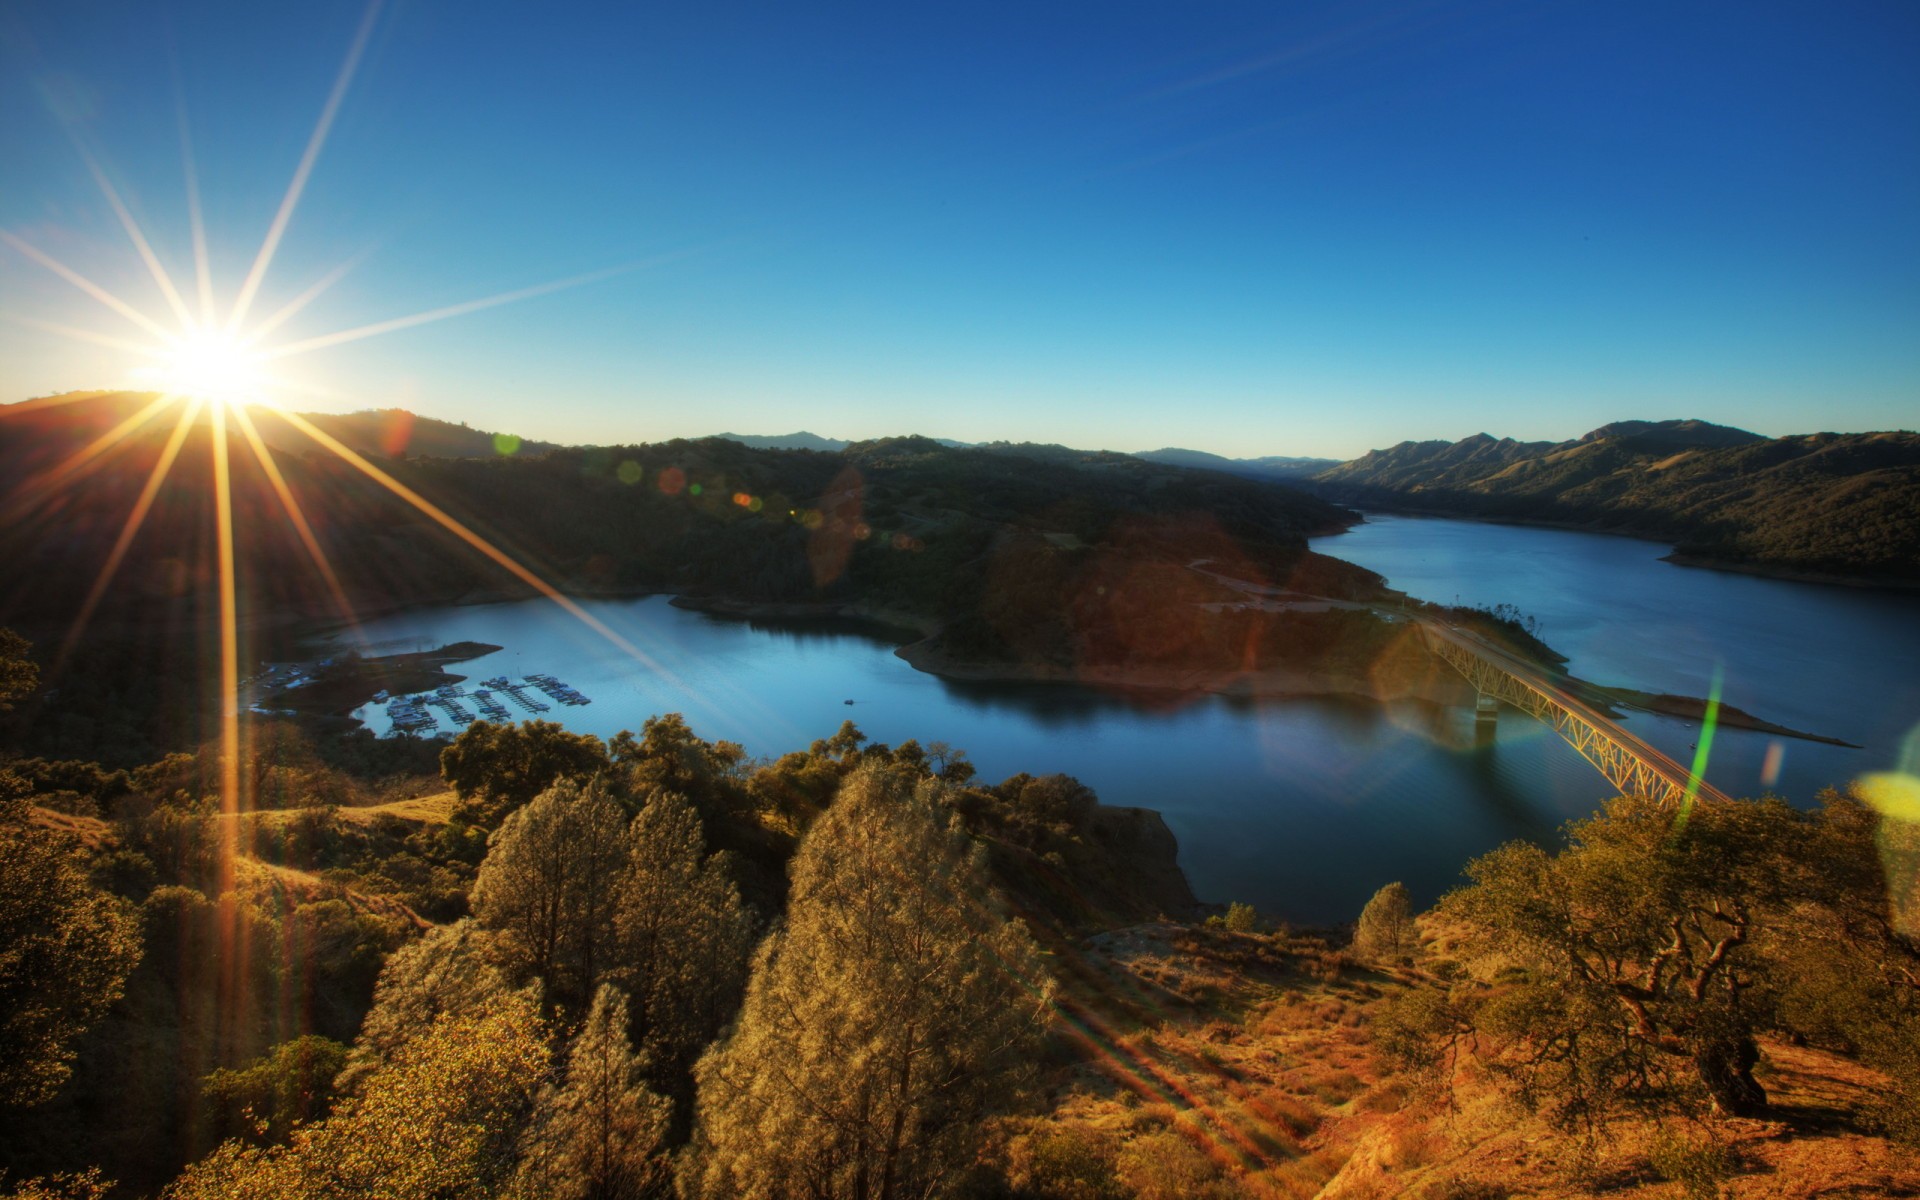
787, 441
1843, 506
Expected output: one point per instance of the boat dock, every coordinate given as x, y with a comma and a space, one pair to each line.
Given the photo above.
408, 716
557, 689
411, 714
516, 693
456, 711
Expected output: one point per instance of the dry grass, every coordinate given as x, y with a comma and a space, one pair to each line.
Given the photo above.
91, 832
292, 887
1205, 1063
436, 809
1242, 1045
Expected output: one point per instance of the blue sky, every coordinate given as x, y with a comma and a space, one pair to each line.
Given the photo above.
1252, 228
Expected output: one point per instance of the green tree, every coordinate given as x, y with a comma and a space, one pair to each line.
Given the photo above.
66, 948
601, 1134
1632, 960
447, 972
1848, 971
892, 1012
293, 1084
1385, 932
548, 886
1241, 918
669, 757
497, 768
685, 937
1058, 803
441, 1120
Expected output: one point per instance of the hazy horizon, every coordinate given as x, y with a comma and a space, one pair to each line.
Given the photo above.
1316, 232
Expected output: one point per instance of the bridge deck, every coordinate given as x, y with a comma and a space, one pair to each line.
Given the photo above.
1630, 764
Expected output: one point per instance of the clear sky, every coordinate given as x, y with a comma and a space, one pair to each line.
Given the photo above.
1251, 228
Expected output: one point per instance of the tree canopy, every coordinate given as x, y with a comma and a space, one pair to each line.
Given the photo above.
1638, 966
496, 769
891, 1012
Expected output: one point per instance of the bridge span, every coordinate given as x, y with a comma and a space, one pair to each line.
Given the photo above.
1629, 764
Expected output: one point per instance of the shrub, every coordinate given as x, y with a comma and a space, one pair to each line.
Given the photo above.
1066, 1163
1699, 1166
1385, 932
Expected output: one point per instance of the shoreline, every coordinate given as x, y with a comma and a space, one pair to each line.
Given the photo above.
1406, 673
1674, 555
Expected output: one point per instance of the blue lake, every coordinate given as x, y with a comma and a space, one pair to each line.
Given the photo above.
1301, 807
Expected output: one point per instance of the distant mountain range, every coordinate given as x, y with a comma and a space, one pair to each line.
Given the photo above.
1270, 467
808, 441
787, 441
1273, 466
1825, 504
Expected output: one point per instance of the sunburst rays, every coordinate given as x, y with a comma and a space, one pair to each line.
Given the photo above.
211, 361
142, 504
282, 217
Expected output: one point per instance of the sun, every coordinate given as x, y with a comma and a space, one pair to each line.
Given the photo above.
209, 366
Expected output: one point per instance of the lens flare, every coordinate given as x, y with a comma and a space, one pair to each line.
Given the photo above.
1702, 750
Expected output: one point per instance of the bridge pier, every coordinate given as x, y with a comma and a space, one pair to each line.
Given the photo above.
1486, 718
1497, 678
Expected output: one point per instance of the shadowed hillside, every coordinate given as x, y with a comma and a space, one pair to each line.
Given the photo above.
397, 433
385, 432
906, 530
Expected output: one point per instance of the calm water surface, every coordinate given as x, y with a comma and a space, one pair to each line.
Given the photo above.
1301, 807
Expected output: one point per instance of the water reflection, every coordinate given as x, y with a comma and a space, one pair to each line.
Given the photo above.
1054, 705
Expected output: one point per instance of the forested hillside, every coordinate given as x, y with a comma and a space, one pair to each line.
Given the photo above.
1829, 504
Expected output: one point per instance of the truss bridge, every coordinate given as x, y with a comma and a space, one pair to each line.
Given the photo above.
1498, 677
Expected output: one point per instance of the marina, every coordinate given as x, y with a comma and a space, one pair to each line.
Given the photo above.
558, 690
517, 692
456, 711
415, 714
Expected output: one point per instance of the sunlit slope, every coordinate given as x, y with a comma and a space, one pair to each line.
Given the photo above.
1838, 504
